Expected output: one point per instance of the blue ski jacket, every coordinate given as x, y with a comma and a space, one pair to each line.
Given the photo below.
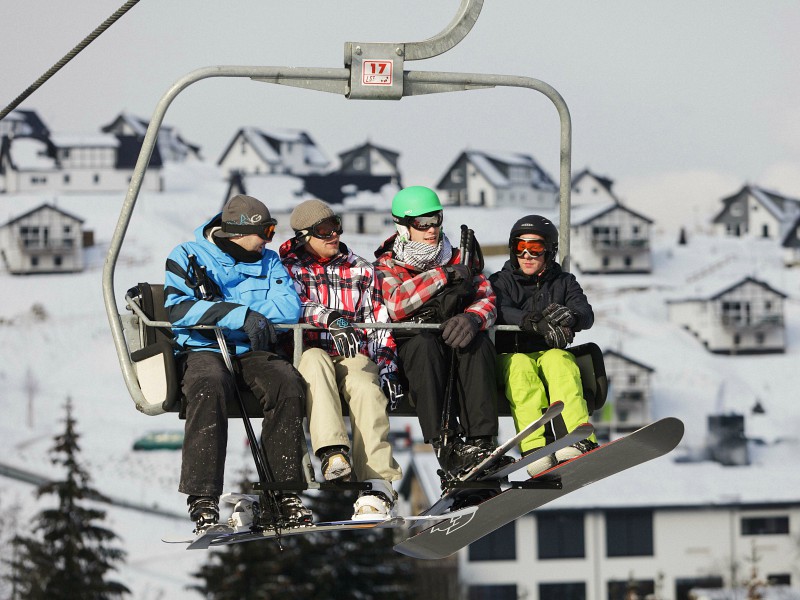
263, 286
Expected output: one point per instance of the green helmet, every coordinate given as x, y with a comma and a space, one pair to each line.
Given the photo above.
414, 201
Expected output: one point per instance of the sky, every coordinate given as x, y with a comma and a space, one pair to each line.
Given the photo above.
680, 103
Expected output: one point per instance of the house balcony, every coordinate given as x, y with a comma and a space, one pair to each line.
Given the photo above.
637, 246
757, 323
45, 247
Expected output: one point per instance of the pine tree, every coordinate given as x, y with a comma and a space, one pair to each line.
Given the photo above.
70, 555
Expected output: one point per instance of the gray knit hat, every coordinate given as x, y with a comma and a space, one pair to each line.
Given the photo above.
309, 213
242, 215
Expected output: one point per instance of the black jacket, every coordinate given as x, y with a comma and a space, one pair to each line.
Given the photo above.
519, 294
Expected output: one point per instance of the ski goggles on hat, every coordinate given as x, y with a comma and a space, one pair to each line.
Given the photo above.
536, 248
327, 228
265, 230
425, 222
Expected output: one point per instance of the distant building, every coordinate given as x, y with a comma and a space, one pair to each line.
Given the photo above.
756, 213
478, 178
745, 318
34, 160
172, 147
628, 405
791, 244
43, 240
372, 160
607, 237
254, 151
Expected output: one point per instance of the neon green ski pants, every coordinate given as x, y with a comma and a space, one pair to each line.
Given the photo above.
526, 379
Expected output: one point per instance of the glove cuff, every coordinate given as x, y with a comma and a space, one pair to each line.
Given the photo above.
475, 319
334, 314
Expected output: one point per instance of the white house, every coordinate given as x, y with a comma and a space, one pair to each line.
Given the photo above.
591, 189
254, 151
478, 178
627, 407
172, 147
369, 159
43, 240
745, 318
754, 212
610, 238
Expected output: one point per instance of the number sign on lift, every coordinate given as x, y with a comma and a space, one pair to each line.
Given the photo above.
377, 72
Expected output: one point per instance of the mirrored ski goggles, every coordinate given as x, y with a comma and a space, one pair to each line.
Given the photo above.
425, 222
535, 248
326, 229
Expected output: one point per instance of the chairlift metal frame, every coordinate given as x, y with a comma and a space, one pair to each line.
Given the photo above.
369, 74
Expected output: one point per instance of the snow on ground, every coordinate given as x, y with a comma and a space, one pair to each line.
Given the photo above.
56, 344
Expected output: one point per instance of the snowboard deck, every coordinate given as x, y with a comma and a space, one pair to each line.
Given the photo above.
222, 535
446, 538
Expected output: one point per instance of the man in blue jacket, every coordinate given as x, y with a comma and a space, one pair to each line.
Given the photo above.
246, 290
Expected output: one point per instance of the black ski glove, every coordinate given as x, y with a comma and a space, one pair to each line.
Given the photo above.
559, 314
457, 273
459, 331
260, 331
344, 335
393, 389
556, 336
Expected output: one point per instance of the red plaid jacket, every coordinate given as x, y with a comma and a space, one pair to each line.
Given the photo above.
406, 290
345, 284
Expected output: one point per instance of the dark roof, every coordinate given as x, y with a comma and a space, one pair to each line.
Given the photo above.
748, 280
390, 155
628, 359
606, 182
612, 208
40, 207
328, 186
128, 153
790, 238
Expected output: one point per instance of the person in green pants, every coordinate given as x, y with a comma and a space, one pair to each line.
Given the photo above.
549, 306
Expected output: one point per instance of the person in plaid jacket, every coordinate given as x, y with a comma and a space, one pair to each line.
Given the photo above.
422, 280
338, 288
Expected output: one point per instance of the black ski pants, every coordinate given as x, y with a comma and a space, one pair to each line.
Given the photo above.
425, 366
208, 387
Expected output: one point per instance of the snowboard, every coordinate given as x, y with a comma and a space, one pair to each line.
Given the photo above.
446, 538
223, 535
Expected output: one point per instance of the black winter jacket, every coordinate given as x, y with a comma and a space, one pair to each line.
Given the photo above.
518, 294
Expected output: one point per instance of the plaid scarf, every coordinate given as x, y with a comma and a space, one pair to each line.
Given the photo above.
422, 256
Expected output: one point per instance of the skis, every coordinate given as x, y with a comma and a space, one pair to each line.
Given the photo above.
222, 535
446, 538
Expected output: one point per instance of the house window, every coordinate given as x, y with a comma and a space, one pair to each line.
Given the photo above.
560, 535
631, 379
737, 339
765, 231
493, 592
628, 261
34, 261
456, 176
96, 178
501, 544
622, 590
606, 261
482, 196
760, 338
38, 179
765, 525
767, 305
67, 229
360, 225
779, 579
629, 533
243, 147
57, 261
562, 591
66, 178
360, 163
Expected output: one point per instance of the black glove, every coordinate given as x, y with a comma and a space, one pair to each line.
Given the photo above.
458, 331
260, 331
393, 389
344, 335
556, 336
559, 314
457, 273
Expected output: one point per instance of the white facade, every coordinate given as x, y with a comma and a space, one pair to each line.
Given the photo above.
46, 240
255, 152
628, 404
616, 241
747, 318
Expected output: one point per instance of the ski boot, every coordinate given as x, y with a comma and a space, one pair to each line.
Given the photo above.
204, 511
335, 463
377, 503
292, 511
488, 443
457, 457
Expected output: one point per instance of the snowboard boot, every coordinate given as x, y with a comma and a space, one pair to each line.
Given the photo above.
377, 503
488, 443
541, 465
204, 511
457, 457
335, 463
293, 513
575, 450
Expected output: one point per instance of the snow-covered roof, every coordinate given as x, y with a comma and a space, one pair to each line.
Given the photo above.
96, 140
30, 154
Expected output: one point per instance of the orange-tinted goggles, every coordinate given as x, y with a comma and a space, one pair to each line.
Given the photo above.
268, 232
535, 248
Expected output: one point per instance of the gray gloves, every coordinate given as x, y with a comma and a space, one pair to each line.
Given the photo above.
393, 389
459, 331
556, 336
260, 331
345, 336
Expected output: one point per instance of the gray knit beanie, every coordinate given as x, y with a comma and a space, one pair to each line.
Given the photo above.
309, 213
